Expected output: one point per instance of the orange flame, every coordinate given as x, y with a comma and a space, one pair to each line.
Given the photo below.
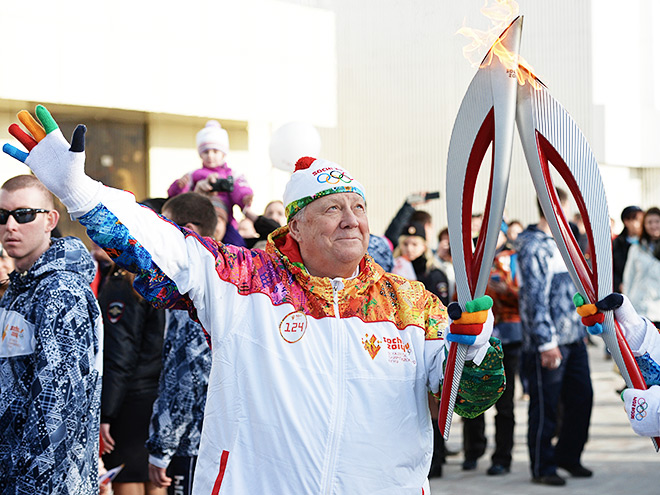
501, 14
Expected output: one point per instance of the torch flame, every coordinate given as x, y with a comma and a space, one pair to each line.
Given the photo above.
500, 14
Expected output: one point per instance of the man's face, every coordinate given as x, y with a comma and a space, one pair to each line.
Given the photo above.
26, 242
333, 234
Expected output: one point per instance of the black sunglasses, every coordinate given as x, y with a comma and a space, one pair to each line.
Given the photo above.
21, 215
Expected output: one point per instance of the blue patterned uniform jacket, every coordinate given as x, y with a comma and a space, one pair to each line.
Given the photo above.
176, 423
546, 294
50, 376
647, 354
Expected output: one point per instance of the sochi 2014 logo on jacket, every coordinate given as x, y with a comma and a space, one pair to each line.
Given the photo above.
396, 350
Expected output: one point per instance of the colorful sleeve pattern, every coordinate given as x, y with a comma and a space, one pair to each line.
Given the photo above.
650, 369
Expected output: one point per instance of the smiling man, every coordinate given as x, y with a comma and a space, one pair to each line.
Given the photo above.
50, 385
321, 362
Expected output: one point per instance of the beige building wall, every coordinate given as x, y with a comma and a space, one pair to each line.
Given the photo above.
172, 153
402, 76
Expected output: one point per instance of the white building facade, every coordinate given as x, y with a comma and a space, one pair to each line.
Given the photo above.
381, 80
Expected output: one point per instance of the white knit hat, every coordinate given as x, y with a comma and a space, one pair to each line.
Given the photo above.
213, 136
314, 178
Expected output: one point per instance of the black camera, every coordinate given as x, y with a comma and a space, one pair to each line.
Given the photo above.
223, 185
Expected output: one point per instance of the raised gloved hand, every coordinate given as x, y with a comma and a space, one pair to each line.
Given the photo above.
643, 409
472, 327
639, 332
58, 165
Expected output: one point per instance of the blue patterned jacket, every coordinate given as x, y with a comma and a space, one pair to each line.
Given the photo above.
50, 380
176, 423
546, 294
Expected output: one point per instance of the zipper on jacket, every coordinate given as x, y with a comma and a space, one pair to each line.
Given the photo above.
339, 369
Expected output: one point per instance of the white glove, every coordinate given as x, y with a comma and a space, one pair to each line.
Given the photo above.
472, 327
477, 351
632, 325
643, 409
58, 165
640, 333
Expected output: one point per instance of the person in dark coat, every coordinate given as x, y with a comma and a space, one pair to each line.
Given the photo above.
132, 363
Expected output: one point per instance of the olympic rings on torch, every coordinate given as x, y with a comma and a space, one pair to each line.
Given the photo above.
642, 406
334, 177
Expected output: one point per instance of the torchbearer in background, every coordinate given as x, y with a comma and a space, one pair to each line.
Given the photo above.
642, 405
321, 362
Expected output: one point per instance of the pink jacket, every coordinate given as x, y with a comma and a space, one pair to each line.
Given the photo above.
236, 197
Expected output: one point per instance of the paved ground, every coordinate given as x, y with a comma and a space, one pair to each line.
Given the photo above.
623, 463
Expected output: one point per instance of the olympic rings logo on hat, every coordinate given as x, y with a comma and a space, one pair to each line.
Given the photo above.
642, 406
334, 177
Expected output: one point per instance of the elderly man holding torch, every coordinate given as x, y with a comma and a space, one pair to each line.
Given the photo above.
322, 363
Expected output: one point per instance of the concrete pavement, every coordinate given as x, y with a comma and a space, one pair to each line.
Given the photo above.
623, 463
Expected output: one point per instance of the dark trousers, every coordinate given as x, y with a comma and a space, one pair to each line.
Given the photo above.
474, 430
438, 458
570, 385
181, 470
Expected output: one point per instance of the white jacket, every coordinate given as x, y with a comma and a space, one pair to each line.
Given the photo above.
317, 386
641, 282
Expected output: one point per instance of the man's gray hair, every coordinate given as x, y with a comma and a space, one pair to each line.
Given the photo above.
300, 214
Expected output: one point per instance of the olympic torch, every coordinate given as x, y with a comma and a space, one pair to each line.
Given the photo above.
551, 137
486, 118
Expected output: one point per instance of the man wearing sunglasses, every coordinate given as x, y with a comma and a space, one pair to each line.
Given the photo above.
50, 378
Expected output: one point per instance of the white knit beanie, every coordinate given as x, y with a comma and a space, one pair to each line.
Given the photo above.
314, 178
213, 136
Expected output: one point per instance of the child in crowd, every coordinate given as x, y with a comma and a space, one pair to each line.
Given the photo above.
215, 176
